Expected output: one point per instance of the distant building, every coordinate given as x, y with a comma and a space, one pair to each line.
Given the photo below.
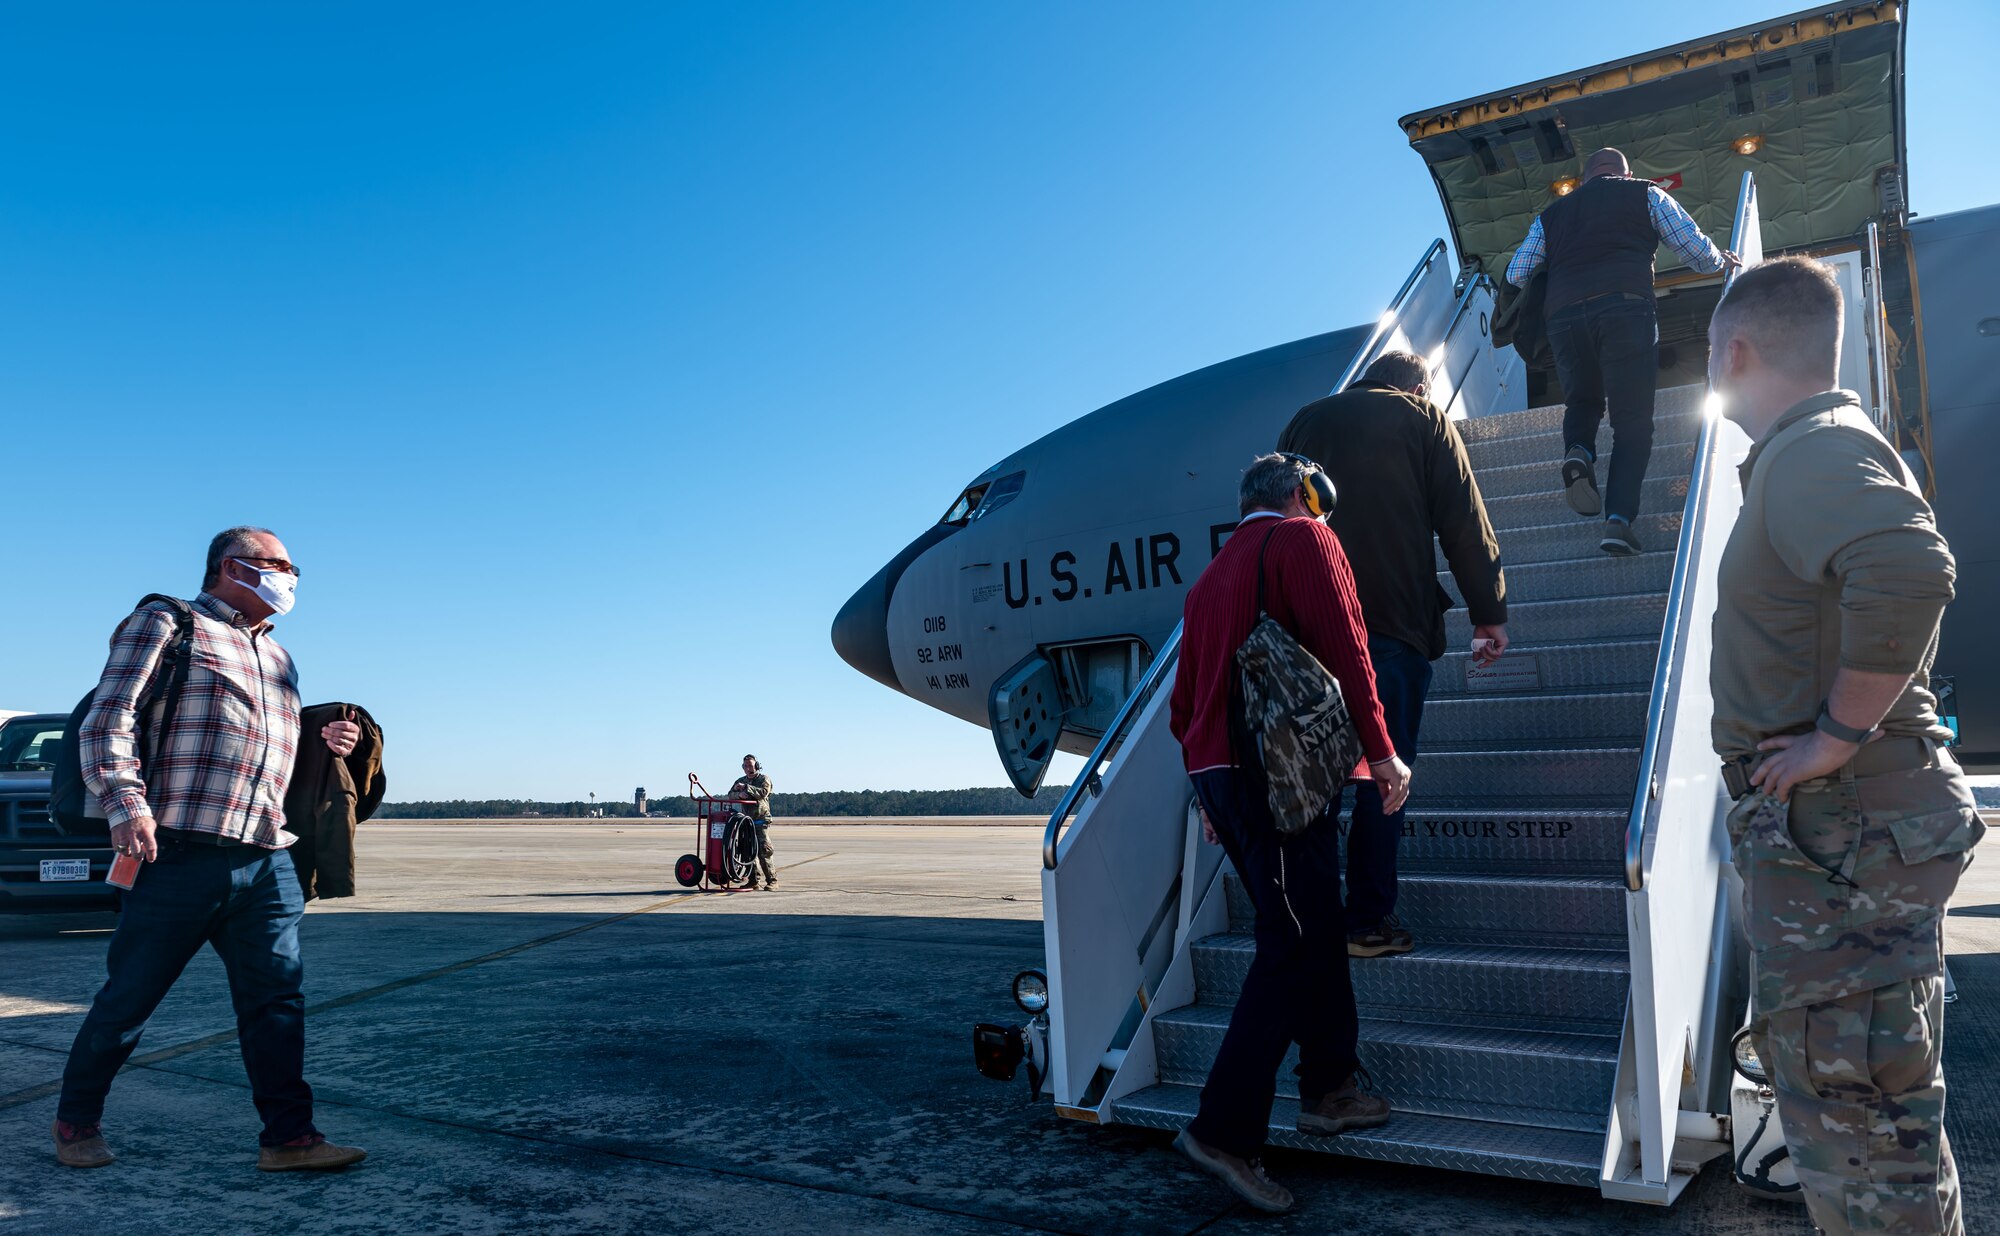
639, 801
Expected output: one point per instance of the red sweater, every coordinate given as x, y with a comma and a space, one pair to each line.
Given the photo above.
1309, 589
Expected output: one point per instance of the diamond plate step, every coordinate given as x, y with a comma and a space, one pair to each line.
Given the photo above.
1545, 475
1572, 538
1470, 722
1545, 842
1580, 912
1541, 668
1547, 447
1513, 1076
1580, 618
1558, 1156
1598, 575
1670, 404
1569, 991
1546, 505
1539, 777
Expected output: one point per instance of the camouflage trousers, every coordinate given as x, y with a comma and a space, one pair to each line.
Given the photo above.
1845, 889
1860, 1089
764, 850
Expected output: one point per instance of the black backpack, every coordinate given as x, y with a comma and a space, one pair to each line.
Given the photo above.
1519, 319
70, 800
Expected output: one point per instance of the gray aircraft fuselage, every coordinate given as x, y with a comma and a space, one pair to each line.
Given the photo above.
1115, 515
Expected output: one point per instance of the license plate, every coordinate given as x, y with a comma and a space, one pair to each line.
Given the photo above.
65, 869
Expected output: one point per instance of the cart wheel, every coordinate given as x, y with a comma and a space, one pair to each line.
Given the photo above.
688, 871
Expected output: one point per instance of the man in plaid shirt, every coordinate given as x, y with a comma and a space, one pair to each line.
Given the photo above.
206, 815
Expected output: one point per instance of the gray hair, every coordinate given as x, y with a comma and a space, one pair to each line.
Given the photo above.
1405, 371
230, 543
1269, 481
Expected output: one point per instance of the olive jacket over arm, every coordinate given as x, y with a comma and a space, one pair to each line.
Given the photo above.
1403, 478
329, 796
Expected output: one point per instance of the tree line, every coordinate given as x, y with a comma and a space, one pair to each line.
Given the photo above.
979, 800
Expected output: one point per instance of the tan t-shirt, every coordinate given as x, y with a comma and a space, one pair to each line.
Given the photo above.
1835, 561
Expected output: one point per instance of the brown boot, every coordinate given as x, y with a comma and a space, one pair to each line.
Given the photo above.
81, 1145
308, 1154
1348, 1107
1244, 1177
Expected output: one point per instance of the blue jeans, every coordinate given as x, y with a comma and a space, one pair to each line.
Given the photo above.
1402, 680
246, 903
1299, 988
1607, 354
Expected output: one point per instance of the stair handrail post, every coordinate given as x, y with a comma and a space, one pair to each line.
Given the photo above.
1680, 593
1115, 733
1679, 938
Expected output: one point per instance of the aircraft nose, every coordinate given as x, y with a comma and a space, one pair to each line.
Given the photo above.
861, 628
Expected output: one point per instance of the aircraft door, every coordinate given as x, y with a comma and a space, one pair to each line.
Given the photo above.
1061, 698
1025, 709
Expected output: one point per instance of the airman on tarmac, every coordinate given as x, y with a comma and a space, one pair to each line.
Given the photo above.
753, 784
1852, 823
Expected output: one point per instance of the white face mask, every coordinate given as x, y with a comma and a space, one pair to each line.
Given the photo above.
276, 589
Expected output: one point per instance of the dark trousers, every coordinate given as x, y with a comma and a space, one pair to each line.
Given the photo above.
245, 902
1607, 354
1298, 989
1402, 680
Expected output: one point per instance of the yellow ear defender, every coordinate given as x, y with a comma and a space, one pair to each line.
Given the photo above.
1317, 487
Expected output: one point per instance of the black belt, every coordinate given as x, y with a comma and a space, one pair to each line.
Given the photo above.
1884, 756
186, 836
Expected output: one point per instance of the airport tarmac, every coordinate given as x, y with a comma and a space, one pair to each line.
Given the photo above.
532, 1028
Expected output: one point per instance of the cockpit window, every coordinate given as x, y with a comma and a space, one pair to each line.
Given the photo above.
982, 497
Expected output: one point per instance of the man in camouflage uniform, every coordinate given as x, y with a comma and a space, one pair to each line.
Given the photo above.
1852, 823
753, 784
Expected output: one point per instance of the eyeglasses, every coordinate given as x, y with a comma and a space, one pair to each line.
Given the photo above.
272, 564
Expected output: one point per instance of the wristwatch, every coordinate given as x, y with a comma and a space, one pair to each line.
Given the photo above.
1845, 733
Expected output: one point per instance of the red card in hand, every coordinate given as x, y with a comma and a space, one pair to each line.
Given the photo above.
124, 871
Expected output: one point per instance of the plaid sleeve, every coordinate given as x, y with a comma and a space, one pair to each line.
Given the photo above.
109, 753
1528, 256
1681, 233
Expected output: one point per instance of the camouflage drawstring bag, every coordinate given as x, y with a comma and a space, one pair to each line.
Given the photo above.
1289, 721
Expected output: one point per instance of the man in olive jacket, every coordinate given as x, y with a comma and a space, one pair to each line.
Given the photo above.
1404, 483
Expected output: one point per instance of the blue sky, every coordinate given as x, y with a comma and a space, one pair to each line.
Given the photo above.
589, 356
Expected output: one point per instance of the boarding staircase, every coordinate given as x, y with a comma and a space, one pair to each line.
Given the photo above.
1565, 1014
1497, 1040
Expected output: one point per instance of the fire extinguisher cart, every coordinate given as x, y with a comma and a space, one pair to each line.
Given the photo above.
725, 841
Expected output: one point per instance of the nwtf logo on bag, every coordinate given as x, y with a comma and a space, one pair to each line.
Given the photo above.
1321, 723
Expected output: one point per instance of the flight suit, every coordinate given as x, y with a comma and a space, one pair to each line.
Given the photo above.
1836, 561
758, 786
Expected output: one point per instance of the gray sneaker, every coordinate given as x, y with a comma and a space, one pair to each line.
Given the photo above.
1349, 1107
1618, 540
1245, 1177
1579, 476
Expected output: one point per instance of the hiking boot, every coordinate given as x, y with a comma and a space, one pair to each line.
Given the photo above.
1618, 539
81, 1145
311, 1153
1383, 939
1579, 473
1349, 1107
1245, 1177
771, 883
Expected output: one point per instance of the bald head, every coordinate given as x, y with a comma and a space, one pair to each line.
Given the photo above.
1606, 162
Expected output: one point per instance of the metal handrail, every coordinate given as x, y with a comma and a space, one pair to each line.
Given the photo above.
1114, 734
1680, 595
1878, 344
